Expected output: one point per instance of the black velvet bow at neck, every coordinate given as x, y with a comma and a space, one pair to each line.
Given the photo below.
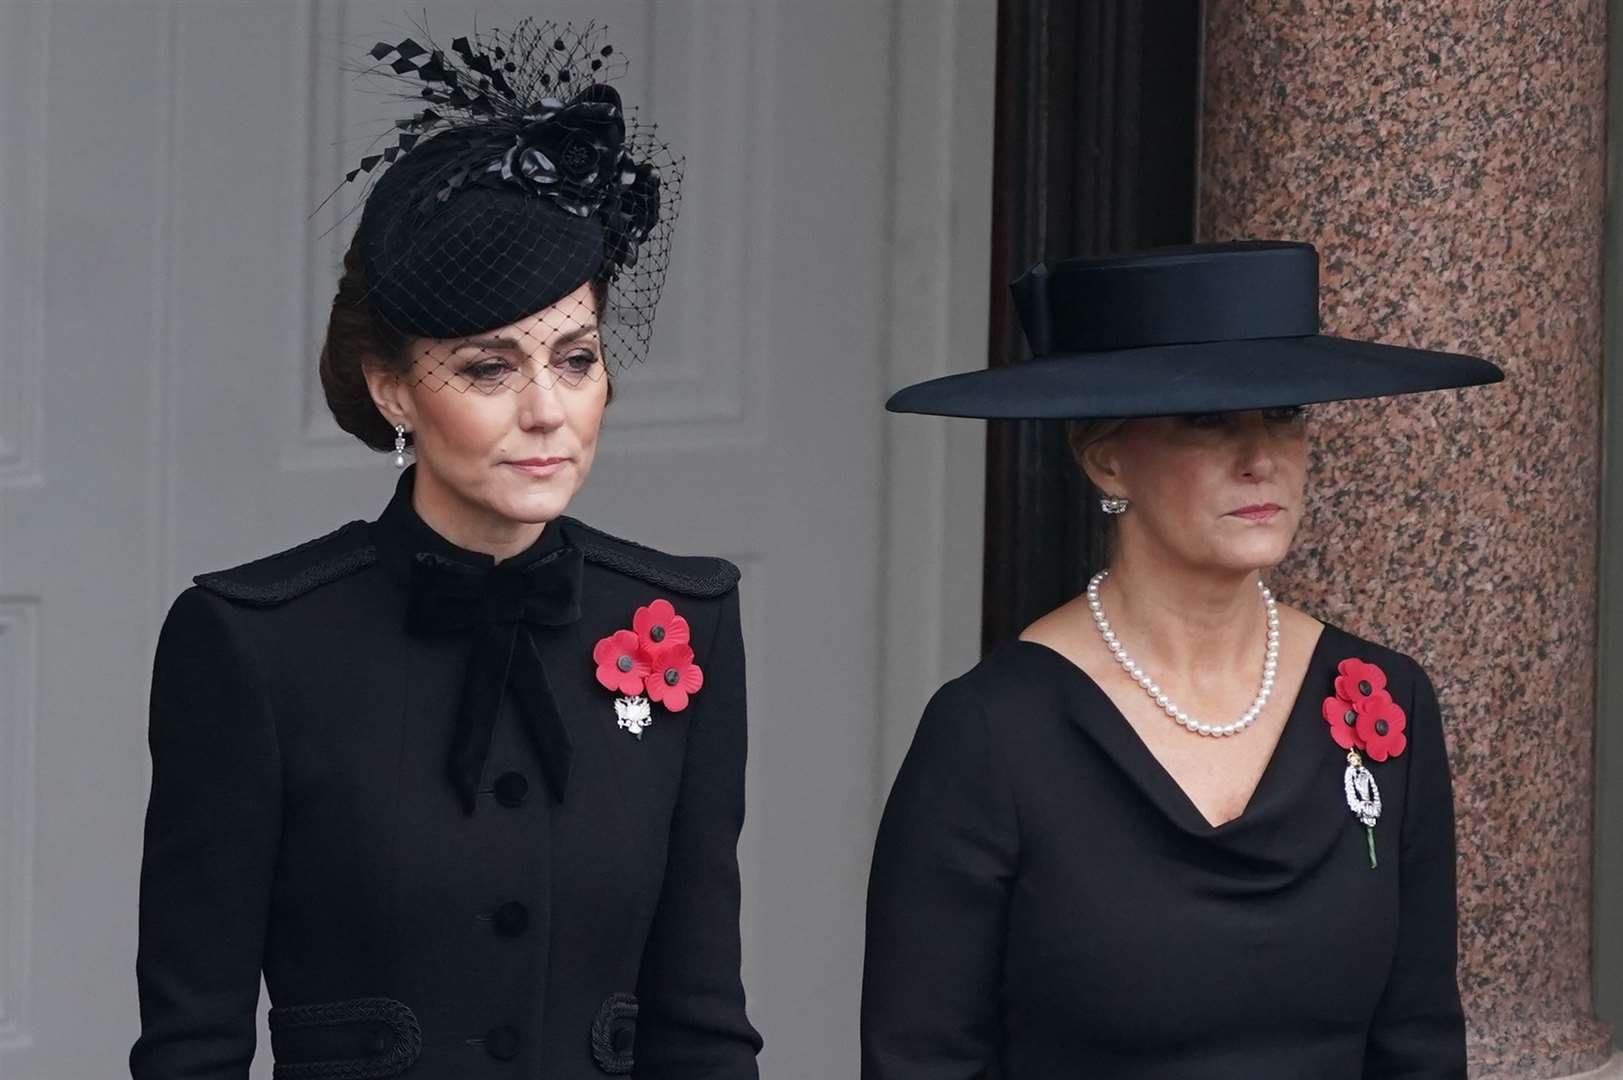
498, 605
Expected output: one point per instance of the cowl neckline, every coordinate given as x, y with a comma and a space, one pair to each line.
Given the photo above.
1292, 816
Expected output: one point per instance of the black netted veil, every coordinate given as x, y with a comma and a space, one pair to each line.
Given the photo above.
520, 194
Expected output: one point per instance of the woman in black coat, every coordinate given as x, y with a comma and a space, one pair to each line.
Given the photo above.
463, 783
1176, 829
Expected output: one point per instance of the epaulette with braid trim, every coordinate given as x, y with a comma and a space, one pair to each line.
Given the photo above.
278, 578
700, 576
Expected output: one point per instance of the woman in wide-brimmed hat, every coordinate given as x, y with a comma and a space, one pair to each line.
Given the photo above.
1177, 829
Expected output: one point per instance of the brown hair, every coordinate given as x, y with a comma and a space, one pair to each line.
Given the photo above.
1084, 433
1081, 434
356, 338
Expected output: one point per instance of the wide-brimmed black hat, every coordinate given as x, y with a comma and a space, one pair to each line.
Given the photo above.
1197, 329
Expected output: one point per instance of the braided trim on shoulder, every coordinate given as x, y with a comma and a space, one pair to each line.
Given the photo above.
627, 557
268, 594
703, 586
405, 1044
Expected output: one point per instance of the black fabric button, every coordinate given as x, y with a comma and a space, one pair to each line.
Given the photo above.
1351, 718
1365, 689
1381, 728
511, 919
657, 633
672, 677
624, 663
511, 789
502, 1042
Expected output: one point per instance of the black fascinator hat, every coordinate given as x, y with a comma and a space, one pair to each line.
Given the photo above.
1198, 329
518, 178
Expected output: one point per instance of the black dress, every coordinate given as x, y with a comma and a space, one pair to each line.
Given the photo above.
1047, 902
546, 896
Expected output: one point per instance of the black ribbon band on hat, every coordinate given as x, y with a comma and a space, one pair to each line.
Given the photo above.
1246, 292
500, 605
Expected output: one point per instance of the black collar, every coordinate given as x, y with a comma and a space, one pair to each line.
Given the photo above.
400, 534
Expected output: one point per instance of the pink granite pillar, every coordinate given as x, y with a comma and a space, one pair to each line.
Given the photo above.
1447, 160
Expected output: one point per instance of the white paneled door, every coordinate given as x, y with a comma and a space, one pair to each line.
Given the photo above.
164, 276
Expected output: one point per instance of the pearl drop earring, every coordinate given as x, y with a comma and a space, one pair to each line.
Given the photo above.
400, 446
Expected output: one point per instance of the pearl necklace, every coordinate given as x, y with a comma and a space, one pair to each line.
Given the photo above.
1270, 664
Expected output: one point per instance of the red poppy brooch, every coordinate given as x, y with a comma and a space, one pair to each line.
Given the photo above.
650, 663
1364, 719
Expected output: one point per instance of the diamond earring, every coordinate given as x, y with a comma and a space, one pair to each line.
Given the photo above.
400, 446
1114, 504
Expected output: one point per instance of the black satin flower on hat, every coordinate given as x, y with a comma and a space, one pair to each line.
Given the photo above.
573, 152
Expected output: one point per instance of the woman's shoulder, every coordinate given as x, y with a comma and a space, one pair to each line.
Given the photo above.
278, 578
1407, 679
224, 609
1014, 683
699, 577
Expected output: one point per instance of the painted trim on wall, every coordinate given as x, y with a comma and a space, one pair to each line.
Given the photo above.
940, 243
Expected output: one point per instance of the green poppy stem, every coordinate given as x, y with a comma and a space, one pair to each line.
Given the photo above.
1370, 830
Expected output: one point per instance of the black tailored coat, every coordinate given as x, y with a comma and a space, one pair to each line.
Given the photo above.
302, 824
1046, 901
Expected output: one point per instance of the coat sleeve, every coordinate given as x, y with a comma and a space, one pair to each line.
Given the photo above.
691, 1023
212, 826
1418, 1032
938, 896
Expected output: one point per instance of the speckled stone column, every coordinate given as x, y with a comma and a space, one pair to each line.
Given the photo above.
1447, 160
